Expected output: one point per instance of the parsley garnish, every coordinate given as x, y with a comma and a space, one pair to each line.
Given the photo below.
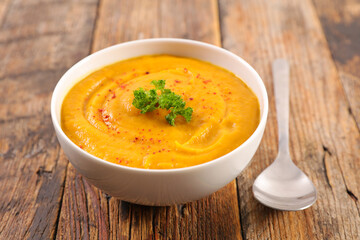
149, 100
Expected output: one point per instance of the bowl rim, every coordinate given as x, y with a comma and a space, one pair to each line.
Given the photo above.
257, 131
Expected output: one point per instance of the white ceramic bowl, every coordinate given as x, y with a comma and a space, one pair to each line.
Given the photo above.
160, 187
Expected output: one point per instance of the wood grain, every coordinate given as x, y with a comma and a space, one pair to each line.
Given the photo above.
324, 137
214, 217
341, 24
4, 5
121, 21
37, 44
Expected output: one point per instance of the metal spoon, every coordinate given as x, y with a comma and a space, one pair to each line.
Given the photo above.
282, 185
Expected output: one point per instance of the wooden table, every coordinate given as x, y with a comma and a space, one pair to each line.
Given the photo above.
42, 196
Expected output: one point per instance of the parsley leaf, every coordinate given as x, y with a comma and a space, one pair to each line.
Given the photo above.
149, 100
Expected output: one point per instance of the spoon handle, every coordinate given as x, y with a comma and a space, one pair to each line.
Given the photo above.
281, 70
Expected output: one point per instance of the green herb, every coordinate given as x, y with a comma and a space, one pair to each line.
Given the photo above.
149, 100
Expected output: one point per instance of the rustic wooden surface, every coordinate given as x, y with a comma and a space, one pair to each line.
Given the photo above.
44, 197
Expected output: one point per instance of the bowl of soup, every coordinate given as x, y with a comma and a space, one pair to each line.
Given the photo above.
143, 157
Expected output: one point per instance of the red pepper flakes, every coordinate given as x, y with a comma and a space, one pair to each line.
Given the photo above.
185, 70
118, 132
214, 93
136, 138
100, 110
206, 81
229, 92
149, 130
202, 99
159, 141
81, 147
204, 87
126, 162
146, 72
113, 96
154, 152
123, 86
109, 90
197, 76
177, 81
159, 150
191, 99
151, 139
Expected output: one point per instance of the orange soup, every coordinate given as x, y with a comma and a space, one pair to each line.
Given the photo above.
97, 114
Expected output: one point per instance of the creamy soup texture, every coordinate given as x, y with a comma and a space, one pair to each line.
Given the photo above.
97, 114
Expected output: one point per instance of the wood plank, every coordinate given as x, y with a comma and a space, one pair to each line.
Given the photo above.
121, 21
4, 5
351, 86
37, 44
324, 138
214, 217
341, 24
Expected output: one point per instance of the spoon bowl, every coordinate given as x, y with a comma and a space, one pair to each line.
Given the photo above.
283, 185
